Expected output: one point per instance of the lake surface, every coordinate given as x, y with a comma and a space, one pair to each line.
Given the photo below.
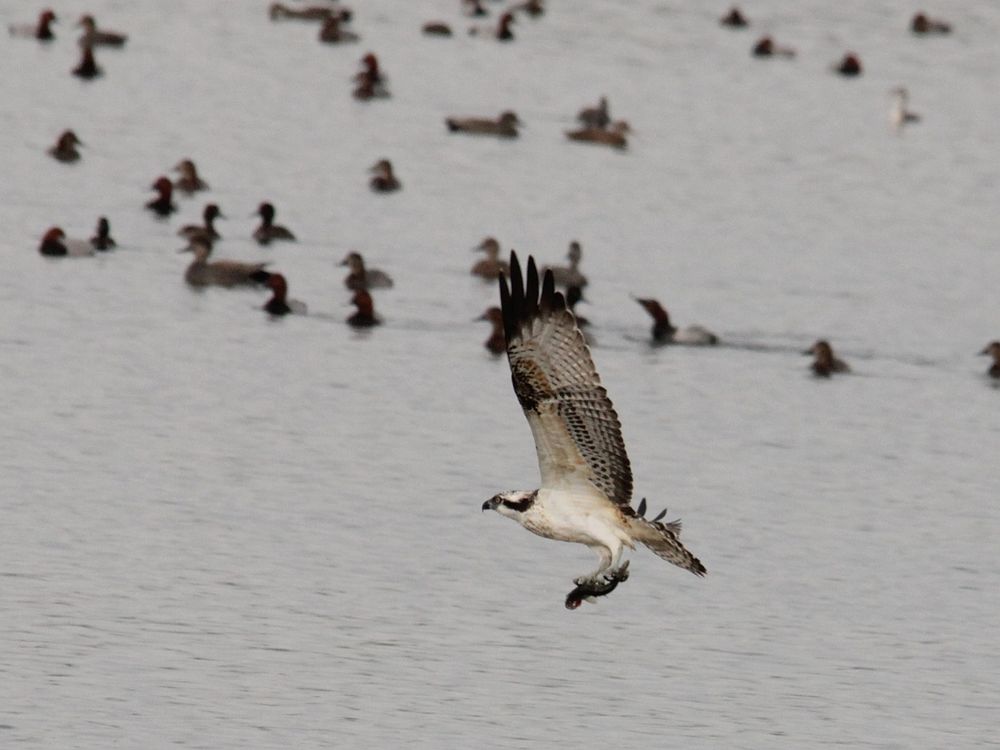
225, 531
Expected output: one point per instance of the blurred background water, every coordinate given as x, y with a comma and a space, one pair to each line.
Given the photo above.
225, 531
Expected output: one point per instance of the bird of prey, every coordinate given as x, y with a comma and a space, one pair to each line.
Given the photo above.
586, 478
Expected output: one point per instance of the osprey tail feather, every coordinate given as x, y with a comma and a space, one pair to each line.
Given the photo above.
663, 539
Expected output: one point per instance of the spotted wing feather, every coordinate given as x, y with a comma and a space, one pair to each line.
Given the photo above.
576, 430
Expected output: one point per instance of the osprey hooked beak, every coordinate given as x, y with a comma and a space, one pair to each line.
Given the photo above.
492, 503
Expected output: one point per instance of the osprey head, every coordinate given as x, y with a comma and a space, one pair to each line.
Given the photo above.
511, 504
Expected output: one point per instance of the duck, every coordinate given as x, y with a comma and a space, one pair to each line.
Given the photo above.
849, 66
533, 8
361, 277
595, 117
331, 32
207, 230
765, 47
162, 205
501, 32
436, 28
102, 239
371, 81
87, 69
505, 126
497, 342
734, 19
268, 230
474, 8
567, 276
40, 30
491, 267
54, 245
613, 136
900, 114
992, 349
64, 149
279, 304
824, 362
383, 180
227, 273
664, 332
278, 11
94, 37
364, 316
189, 181
922, 24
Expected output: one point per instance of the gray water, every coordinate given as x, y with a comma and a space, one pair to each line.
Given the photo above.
224, 531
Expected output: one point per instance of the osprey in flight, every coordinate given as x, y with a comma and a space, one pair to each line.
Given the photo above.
586, 476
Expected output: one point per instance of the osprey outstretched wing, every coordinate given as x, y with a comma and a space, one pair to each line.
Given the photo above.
585, 472
576, 429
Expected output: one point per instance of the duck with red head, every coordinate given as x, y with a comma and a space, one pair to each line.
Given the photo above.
849, 66
279, 304
94, 37
765, 47
65, 148
501, 32
364, 316
87, 69
189, 181
992, 349
922, 24
664, 332
383, 180
825, 363
102, 239
268, 231
497, 342
371, 81
734, 19
163, 204
55, 245
40, 30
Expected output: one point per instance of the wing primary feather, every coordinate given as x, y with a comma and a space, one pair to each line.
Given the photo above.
550, 301
512, 300
641, 510
530, 309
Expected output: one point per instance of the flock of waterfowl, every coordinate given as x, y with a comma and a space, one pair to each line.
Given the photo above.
595, 126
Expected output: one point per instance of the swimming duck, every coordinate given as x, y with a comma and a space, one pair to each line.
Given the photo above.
436, 28
225, 273
824, 362
94, 37
189, 182
268, 230
371, 81
40, 30
849, 66
505, 126
765, 47
900, 115
278, 11
54, 244
87, 69
361, 277
533, 8
497, 342
491, 267
279, 304
102, 239
365, 316
921, 24
65, 148
665, 333
993, 350
207, 230
332, 33
570, 275
595, 117
383, 180
734, 19
162, 205
474, 8
613, 136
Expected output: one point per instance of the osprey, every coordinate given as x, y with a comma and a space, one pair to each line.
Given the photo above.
586, 476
